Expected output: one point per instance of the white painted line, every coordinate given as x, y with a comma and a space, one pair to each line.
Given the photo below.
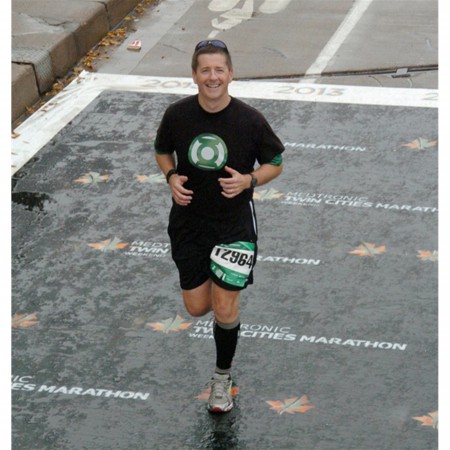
222, 5
45, 123
333, 45
273, 6
151, 28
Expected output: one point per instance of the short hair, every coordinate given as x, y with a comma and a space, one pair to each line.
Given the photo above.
210, 49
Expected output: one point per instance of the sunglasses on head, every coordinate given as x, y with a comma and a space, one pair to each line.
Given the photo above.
214, 43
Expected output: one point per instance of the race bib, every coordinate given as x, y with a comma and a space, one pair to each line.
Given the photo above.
232, 263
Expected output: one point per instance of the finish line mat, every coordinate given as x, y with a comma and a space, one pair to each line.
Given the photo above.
338, 346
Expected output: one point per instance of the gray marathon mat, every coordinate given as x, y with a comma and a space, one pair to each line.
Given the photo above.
338, 346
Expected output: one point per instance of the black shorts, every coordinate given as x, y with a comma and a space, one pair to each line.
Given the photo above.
193, 238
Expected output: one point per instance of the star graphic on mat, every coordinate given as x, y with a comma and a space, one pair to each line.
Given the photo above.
291, 405
426, 255
267, 194
432, 420
205, 394
170, 325
155, 178
24, 320
368, 250
92, 178
420, 144
109, 244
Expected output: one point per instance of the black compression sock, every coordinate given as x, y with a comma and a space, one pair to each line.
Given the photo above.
226, 337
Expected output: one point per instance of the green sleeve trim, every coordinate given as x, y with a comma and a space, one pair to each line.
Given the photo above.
162, 152
277, 160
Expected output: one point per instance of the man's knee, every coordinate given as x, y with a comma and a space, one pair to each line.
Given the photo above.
225, 304
197, 310
198, 301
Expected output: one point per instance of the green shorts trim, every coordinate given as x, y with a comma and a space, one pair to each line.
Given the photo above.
233, 263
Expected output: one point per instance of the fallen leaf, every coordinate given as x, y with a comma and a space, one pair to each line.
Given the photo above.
90, 58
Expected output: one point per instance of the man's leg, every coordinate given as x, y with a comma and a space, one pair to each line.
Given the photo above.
198, 301
226, 331
226, 328
225, 305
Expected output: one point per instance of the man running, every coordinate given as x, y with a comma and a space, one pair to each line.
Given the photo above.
207, 146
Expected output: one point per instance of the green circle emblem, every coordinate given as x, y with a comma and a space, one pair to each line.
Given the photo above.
208, 152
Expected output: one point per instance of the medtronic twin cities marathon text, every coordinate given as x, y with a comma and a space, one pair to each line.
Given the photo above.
204, 329
161, 249
312, 145
26, 383
315, 198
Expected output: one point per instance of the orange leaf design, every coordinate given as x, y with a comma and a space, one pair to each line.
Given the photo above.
267, 194
109, 244
432, 420
426, 255
170, 325
92, 178
420, 144
368, 250
24, 320
155, 178
205, 394
291, 405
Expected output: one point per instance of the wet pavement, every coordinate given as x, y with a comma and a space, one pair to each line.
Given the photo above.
339, 340
350, 42
338, 347
361, 42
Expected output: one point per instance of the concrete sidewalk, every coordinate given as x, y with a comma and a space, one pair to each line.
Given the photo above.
49, 37
399, 49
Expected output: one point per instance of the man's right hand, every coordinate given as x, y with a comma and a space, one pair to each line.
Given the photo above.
180, 194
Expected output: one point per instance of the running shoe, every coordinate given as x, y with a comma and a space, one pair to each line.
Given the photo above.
220, 399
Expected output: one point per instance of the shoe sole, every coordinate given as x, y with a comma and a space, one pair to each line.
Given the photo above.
218, 409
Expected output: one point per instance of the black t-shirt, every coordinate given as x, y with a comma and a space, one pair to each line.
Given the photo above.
237, 136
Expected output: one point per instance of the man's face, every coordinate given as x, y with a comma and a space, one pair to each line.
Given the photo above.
212, 77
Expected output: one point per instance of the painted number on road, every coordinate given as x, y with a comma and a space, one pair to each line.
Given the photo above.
234, 12
306, 90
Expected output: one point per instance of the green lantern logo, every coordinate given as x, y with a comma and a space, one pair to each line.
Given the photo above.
208, 152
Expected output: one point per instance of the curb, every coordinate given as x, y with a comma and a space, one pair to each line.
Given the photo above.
49, 37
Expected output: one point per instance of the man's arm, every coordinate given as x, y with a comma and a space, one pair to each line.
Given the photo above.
165, 161
239, 182
266, 173
181, 195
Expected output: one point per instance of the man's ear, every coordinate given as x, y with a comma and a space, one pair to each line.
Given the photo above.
231, 75
194, 76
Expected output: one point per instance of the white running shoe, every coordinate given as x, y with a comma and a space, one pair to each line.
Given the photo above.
220, 400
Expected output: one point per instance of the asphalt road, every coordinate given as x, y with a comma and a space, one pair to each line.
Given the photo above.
362, 42
339, 341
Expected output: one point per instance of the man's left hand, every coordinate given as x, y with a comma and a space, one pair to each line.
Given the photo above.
234, 185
